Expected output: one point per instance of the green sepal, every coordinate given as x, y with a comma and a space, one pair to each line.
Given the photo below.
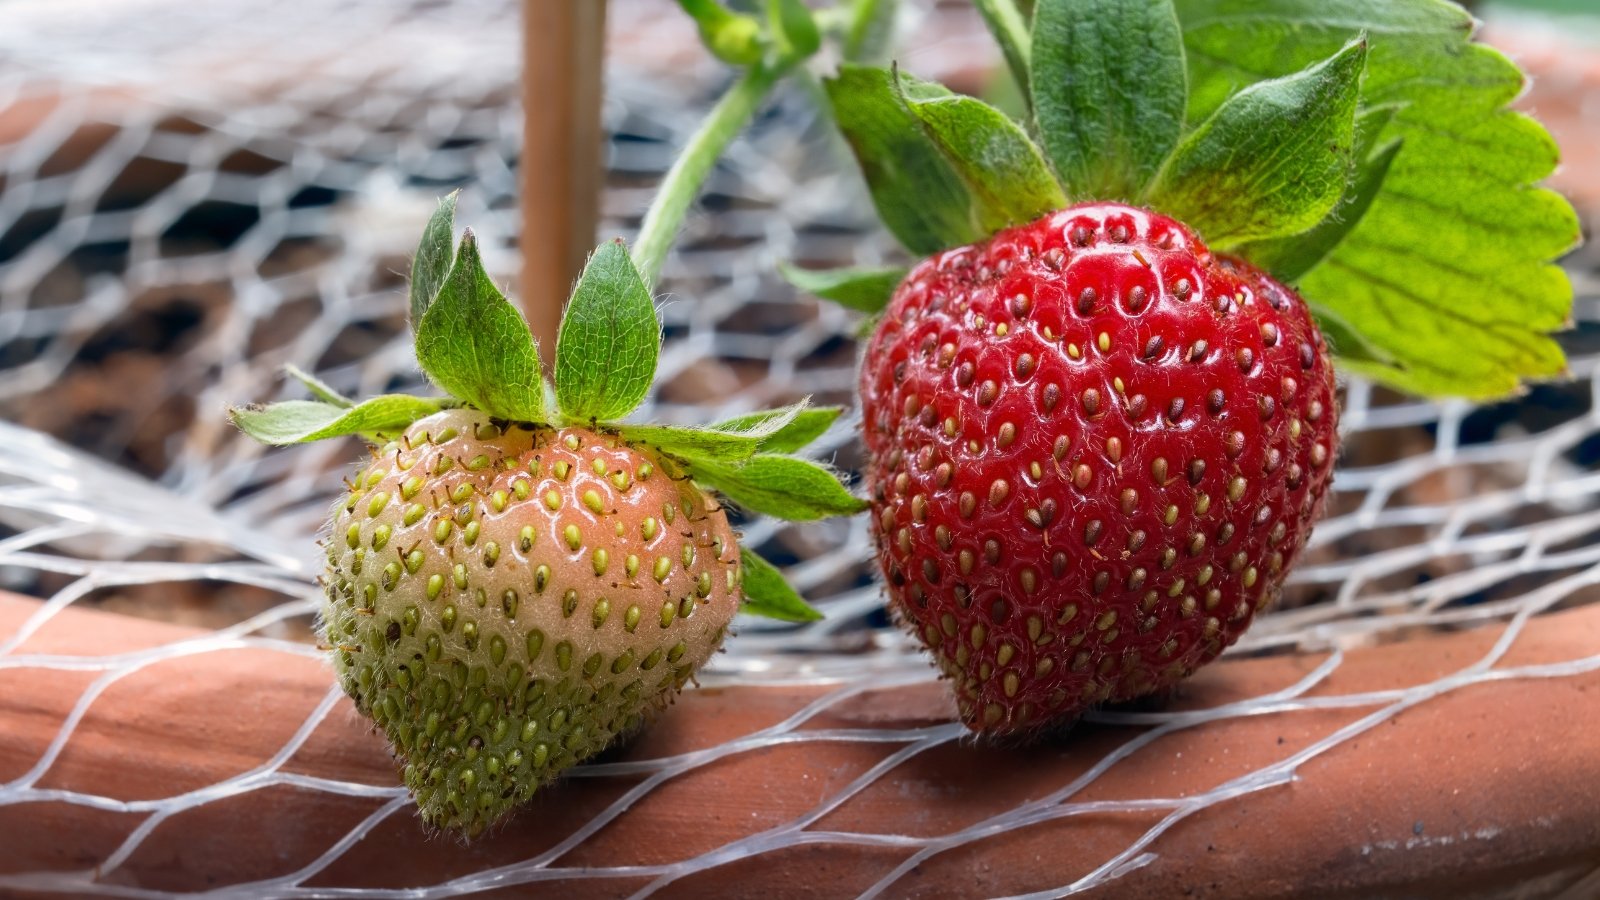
803, 427
436, 253
1010, 29
865, 328
1108, 89
1292, 257
864, 289
609, 342
473, 343
1273, 160
767, 593
714, 444
1005, 174
920, 199
318, 388
301, 421
784, 487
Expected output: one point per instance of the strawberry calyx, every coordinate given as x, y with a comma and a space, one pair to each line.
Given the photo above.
474, 344
1357, 152
519, 577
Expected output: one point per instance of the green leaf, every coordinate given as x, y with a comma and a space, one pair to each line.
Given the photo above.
1010, 29
1273, 160
716, 444
1291, 257
609, 341
864, 289
767, 593
1347, 343
300, 421
803, 427
784, 487
870, 29
1108, 91
919, 197
795, 28
1004, 172
1449, 270
435, 254
1288, 258
1370, 123
473, 343
317, 386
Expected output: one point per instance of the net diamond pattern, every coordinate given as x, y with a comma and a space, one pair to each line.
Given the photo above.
178, 223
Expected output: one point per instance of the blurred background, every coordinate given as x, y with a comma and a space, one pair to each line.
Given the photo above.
192, 196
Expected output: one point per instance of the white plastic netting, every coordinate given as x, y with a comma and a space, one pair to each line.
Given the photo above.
194, 195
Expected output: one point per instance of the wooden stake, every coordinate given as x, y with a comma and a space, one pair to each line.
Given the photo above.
563, 47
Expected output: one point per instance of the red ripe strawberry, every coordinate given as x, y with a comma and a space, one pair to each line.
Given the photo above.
1096, 449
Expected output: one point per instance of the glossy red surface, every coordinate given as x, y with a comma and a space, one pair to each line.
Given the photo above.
1097, 449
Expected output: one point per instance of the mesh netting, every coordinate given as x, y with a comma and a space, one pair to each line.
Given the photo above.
191, 202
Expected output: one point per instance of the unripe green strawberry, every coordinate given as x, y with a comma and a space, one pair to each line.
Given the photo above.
505, 600
513, 585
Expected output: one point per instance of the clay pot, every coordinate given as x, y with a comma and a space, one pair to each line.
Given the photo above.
221, 763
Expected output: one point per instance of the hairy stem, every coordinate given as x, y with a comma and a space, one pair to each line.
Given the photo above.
694, 164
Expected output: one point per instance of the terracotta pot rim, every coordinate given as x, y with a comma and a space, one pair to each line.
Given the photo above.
751, 751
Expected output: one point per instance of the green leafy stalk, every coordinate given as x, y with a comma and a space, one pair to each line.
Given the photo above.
699, 156
794, 29
792, 35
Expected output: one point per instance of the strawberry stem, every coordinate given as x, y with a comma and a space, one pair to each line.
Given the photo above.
694, 164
